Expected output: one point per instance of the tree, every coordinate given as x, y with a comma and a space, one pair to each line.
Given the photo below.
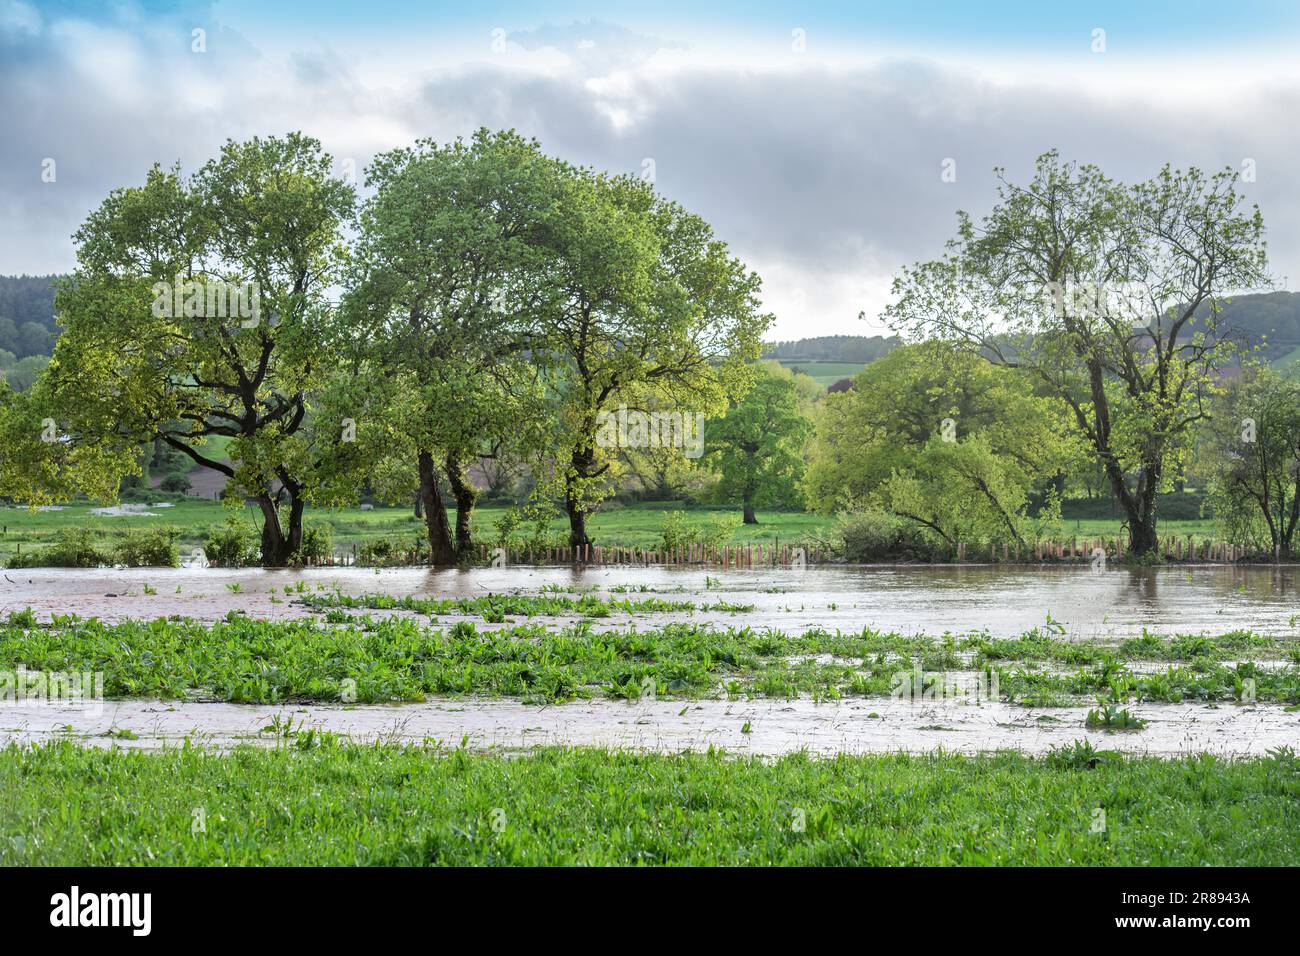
445, 293
197, 309
33, 339
645, 312
1253, 450
757, 445
1094, 287
938, 436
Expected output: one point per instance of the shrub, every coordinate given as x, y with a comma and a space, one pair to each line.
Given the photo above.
316, 547
150, 547
873, 536
231, 545
382, 551
72, 548
176, 482
149, 496
677, 532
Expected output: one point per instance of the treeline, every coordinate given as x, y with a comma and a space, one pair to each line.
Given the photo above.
492, 310
832, 348
498, 304
27, 325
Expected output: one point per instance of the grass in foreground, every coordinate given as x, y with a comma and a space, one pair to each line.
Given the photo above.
327, 803
366, 660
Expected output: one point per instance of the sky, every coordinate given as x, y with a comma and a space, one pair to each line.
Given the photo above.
829, 144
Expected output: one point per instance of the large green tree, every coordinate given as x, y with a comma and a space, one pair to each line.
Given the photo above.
757, 446
197, 310
941, 438
445, 297
1108, 294
1252, 452
645, 310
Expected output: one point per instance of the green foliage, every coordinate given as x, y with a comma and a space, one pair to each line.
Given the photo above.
758, 444
1253, 449
72, 548
150, 547
379, 552
677, 532
1110, 294
157, 345
299, 801
317, 545
943, 439
876, 536
232, 544
175, 482
1109, 717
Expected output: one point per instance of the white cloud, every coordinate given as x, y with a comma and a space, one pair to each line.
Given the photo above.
821, 171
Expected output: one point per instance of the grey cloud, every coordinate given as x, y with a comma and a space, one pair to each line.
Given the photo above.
831, 173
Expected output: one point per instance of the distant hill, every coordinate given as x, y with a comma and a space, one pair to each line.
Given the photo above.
1270, 320
855, 349
829, 359
26, 317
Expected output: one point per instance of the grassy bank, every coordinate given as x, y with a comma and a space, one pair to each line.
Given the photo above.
632, 526
360, 658
320, 802
638, 526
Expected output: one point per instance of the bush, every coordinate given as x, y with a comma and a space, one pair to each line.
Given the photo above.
875, 536
317, 545
232, 545
176, 482
149, 496
72, 548
382, 551
677, 532
150, 548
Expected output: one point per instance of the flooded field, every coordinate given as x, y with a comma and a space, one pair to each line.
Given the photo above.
1083, 605
761, 727
1210, 599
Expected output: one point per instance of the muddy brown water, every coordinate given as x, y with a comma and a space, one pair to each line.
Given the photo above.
1003, 601
1210, 599
763, 727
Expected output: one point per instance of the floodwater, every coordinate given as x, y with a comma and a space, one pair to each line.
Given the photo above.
762, 727
1118, 601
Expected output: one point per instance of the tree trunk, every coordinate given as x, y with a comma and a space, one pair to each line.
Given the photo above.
463, 490
581, 463
279, 547
441, 550
1139, 505
750, 517
578, 537
419, 505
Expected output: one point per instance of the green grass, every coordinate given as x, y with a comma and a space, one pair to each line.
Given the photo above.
638, 526
316, 801
824, 373
1288, 366
494, 608
633, 526
1203, 528
368, 660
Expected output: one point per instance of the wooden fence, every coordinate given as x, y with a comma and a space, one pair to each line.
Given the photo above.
1188, 549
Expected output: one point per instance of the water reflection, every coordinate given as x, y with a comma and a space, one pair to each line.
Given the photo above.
1117, 600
